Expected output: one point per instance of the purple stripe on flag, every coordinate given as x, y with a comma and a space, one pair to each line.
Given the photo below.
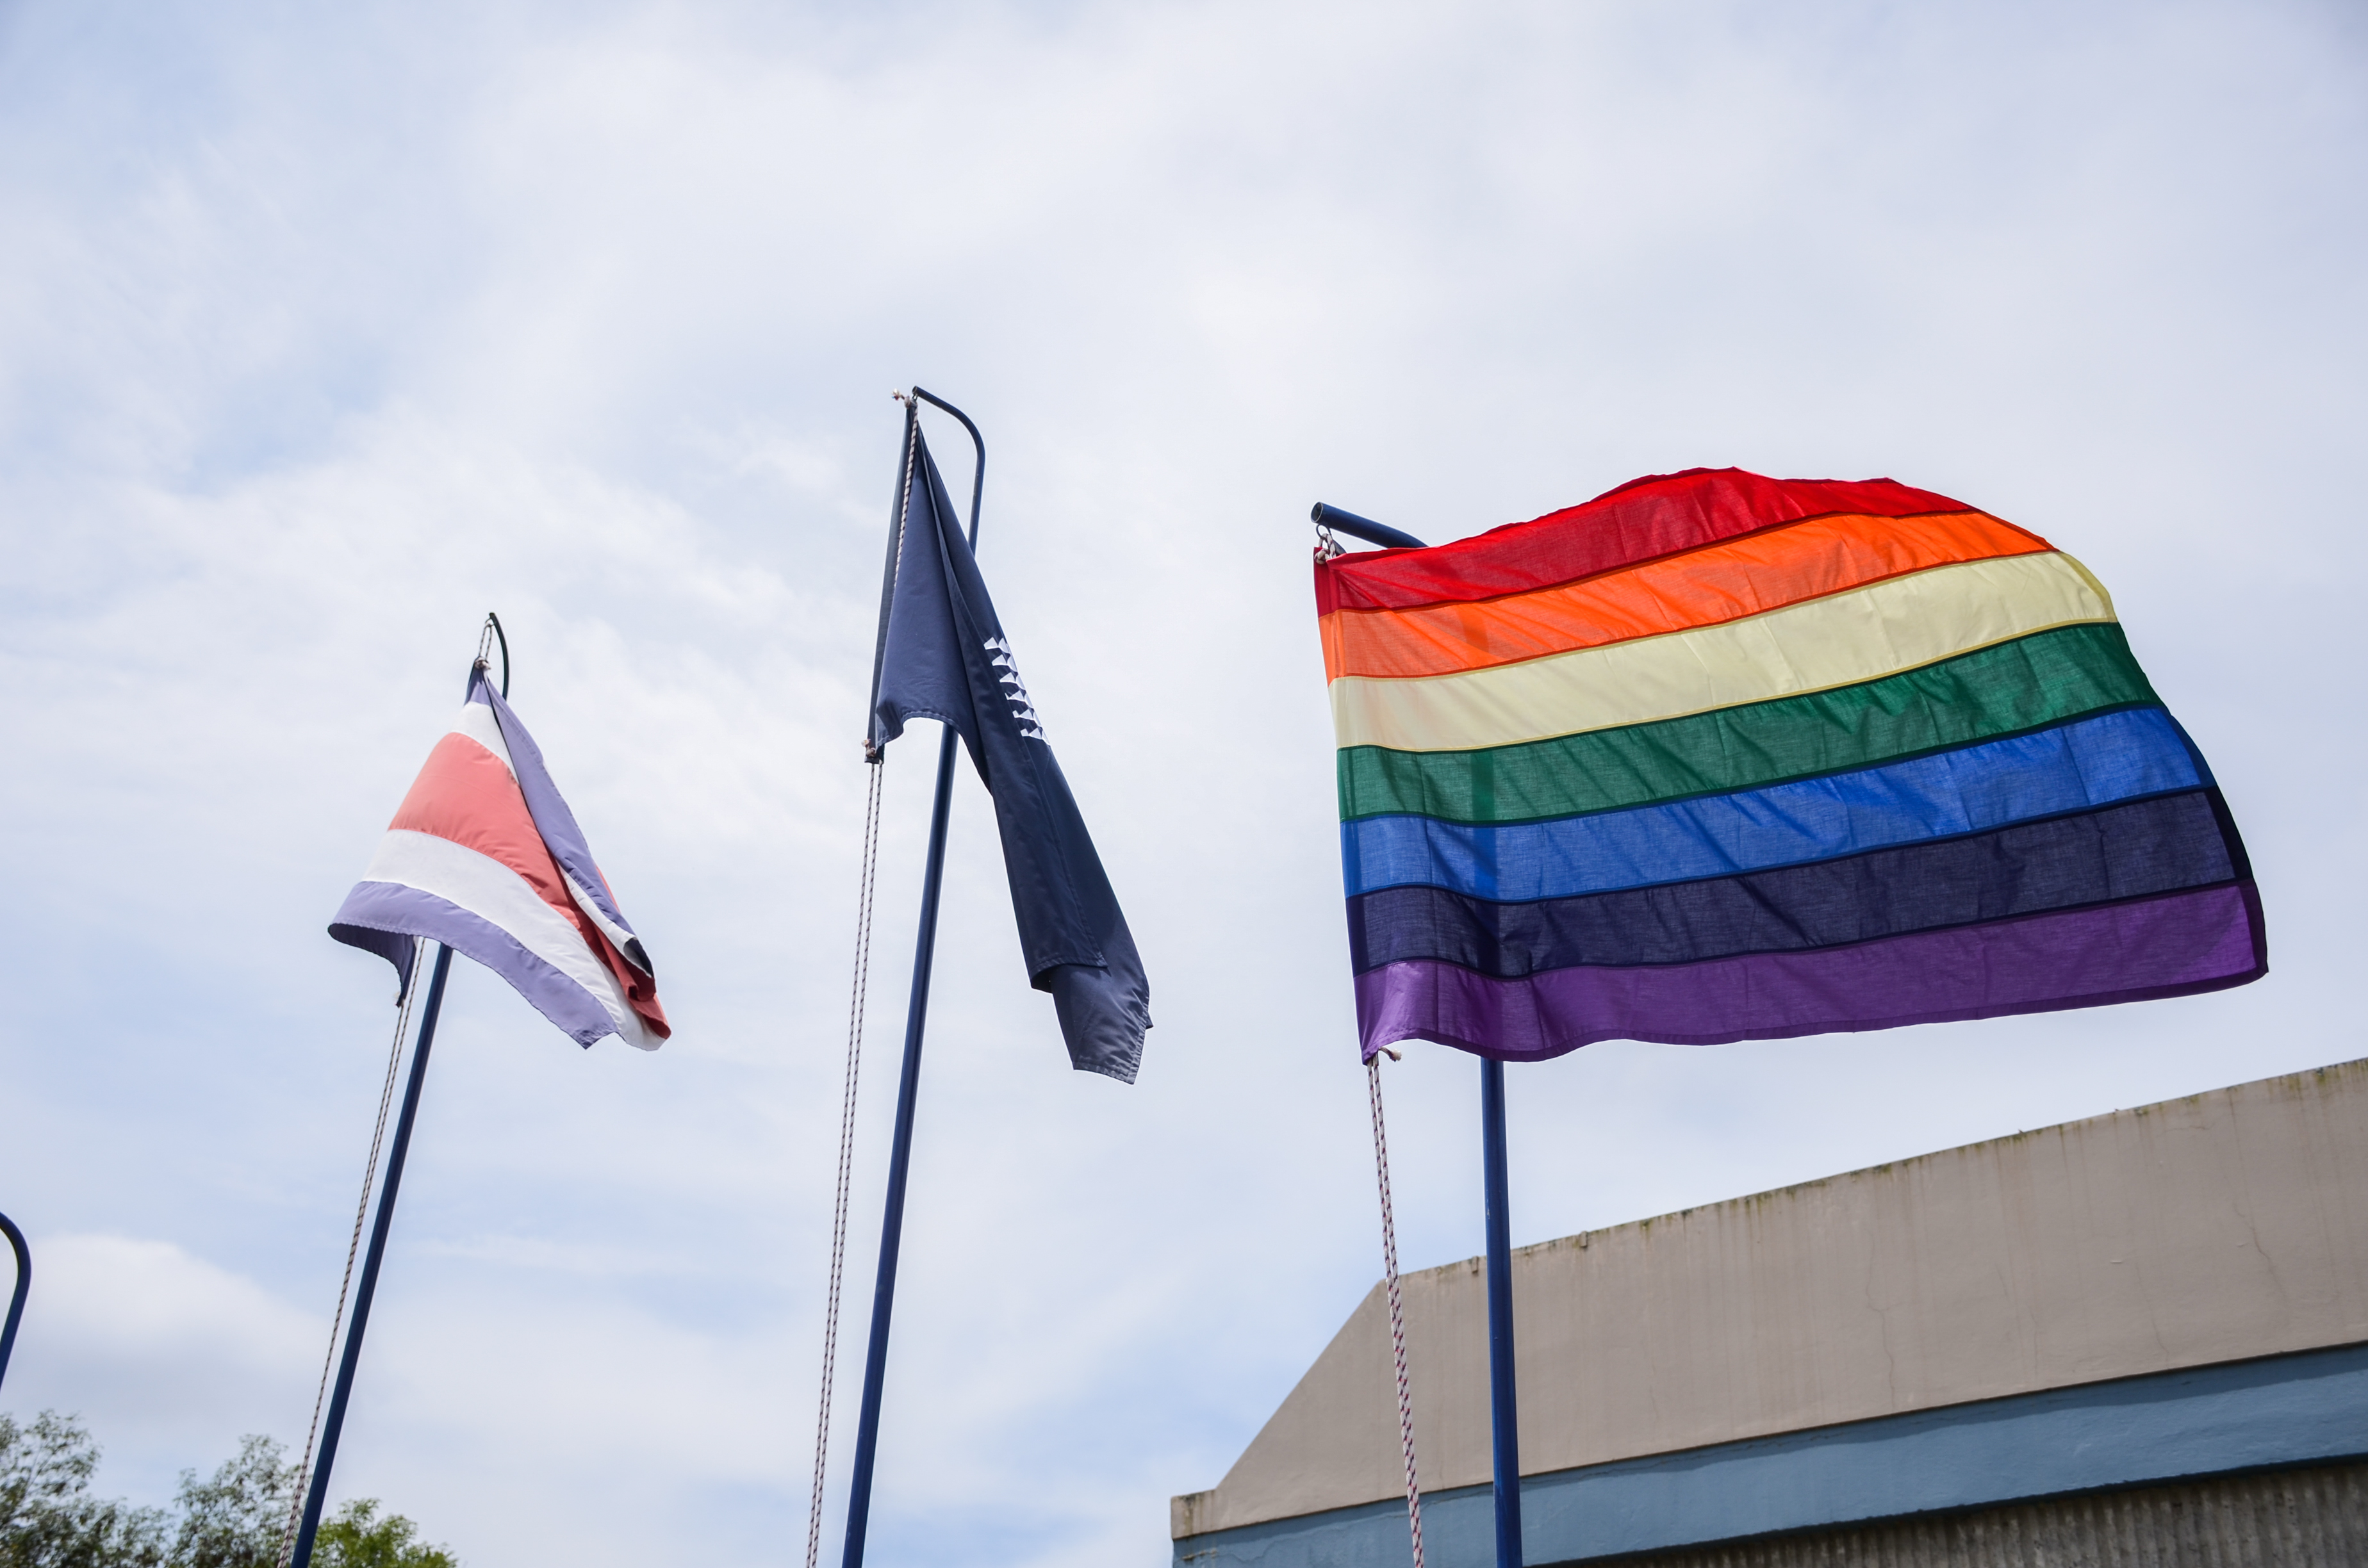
2204, 939
376, 907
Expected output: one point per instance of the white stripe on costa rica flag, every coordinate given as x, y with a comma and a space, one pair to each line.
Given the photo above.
478, 723
492, 892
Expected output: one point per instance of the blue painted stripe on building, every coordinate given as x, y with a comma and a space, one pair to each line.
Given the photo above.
2238, 1415
2093, 762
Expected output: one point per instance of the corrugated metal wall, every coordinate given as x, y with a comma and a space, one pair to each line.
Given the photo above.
2297, 1518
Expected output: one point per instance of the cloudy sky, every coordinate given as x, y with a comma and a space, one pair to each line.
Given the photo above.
324, 330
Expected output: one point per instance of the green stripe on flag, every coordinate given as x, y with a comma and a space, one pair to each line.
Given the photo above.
2027, 684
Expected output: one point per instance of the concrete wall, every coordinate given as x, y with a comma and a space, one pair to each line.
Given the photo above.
2212, 1229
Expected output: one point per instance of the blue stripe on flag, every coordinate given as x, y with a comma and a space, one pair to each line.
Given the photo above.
2089, 763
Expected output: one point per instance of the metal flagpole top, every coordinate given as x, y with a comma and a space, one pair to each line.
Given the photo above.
16, 1298
1355, 526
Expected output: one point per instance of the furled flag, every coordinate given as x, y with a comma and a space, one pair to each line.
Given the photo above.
1717, 758
484, 857
944, 656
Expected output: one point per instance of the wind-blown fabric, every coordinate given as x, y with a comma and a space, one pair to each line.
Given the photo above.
1717, 758
944, 656
484, 857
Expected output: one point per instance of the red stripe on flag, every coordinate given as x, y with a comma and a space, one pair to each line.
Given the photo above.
466, 793
1642, 520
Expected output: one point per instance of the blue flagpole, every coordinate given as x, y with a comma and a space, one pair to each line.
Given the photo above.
319, 1491
16, 1298
900, 1159
1503, 1427
908, 1084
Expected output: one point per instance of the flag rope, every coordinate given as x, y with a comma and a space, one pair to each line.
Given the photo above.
1398, 1315
353, 1245
878, 766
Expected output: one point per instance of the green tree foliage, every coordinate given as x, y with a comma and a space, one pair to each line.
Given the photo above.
234, 1519
48, 1517
356, 1538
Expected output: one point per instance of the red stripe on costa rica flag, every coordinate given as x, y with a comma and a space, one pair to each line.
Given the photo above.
465, 794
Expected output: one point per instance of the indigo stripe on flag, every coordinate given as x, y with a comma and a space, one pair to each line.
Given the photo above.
2117, 852
2073, 767
2175, 946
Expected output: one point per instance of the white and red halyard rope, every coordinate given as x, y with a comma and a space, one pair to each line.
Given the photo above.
846, 1151
1397, 1316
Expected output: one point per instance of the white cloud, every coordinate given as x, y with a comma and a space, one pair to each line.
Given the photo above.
151, 1345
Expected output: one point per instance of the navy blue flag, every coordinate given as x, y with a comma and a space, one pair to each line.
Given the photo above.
943, 657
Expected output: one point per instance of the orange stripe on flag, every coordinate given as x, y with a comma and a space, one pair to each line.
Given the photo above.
1701, 588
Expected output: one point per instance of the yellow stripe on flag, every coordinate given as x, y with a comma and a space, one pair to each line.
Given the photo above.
1840, 639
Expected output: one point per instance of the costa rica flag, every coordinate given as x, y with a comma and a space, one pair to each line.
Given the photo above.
484, 857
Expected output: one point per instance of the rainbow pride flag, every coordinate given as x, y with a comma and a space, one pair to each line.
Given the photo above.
1717, 757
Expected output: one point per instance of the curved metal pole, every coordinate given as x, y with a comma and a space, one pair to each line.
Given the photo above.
1355, 526
978, 478
503, 638
319, 1491
16, 1301
908, 1085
